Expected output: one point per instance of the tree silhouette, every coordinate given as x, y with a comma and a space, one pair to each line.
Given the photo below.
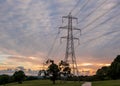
19, 76
114, 70
43, 73
111, 72
102, 73
64, 68
53, 70
4, 79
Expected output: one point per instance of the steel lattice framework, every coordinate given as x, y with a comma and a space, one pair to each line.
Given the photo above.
70, 52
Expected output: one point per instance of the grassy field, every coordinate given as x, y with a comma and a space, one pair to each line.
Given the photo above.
68, 83
106, 83
45, 83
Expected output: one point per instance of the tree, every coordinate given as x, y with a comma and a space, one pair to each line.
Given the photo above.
114, 70
64, 68
111, 72
53, 70
4, 79
19, 76
102, 73
42, 74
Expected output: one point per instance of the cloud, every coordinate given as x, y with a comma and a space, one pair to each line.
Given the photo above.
28, 28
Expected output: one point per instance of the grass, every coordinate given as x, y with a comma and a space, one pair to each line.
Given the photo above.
67, 83
106, 83
45, 83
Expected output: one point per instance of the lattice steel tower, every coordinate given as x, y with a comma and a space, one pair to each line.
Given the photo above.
70, 52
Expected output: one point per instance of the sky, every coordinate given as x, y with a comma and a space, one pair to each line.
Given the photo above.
29, 32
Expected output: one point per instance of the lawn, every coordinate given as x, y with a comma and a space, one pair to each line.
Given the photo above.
45, 83
106, 83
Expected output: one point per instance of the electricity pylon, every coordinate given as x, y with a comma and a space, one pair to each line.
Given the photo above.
70, 52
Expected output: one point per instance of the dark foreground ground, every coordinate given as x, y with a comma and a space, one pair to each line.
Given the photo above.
68, 83
46, 83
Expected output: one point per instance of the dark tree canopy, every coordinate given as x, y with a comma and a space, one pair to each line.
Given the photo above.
64, 67
111, 72
4, 79
114, 70
117, 59
19, 76
102, 73
53, 70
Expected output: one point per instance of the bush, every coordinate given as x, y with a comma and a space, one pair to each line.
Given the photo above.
19, 76
4, 79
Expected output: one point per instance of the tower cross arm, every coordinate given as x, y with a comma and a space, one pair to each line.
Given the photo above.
77, 29
75, 38
69, 16
65, 37
64, 27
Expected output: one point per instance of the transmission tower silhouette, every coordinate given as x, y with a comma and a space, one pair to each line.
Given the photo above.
70, 52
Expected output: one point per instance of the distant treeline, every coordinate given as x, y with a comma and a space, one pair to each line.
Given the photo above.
18, 76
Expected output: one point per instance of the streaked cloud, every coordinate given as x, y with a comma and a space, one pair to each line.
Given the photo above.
28, 29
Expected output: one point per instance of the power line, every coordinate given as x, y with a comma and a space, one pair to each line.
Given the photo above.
105, 34
106, 21
53, 44
93, 11
108, 33
59, 50
56, 49
82, 7
98, 17
75, 6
